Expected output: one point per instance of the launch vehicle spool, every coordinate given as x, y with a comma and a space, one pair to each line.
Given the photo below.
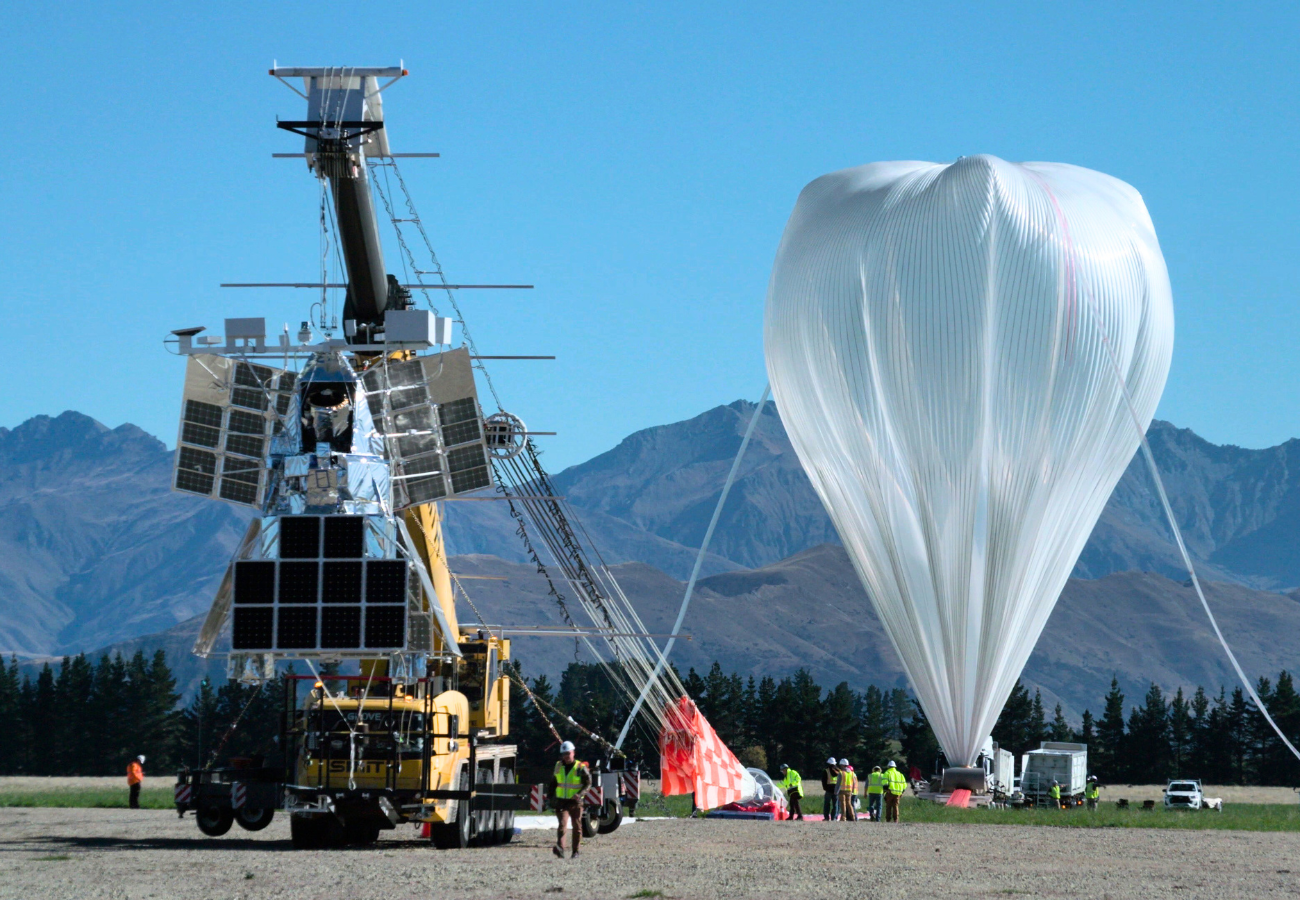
345, 447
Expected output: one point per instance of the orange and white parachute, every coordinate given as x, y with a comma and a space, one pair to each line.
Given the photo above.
692, 758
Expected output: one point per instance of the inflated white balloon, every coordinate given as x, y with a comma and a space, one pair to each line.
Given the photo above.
945, 344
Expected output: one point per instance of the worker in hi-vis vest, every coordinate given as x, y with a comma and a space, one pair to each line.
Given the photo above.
830, 790
875, 793
895, 787
572, 779
792, 783
1054, 794
848, 787
134, 778
1090, 792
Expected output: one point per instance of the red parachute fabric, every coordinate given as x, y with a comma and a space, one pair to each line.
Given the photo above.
693, 758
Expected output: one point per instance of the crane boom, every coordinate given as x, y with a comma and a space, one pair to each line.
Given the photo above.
344, 125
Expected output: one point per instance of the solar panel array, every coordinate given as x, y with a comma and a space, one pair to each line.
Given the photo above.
322, 593
229, 411
427, 408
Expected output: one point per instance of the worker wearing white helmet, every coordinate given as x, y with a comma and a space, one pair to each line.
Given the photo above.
847, 790
830, 790
895, 787
572, 779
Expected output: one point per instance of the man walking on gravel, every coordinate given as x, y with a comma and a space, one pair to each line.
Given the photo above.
572, 779
895, 787
135, 778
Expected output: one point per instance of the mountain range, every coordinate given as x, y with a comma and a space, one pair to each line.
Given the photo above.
96, 551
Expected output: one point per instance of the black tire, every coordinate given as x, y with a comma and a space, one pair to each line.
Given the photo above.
454, 835
485, 820
486, 824
507, 776
361, 834
214, 821
611, 816
253, 819
588, 824
306, 832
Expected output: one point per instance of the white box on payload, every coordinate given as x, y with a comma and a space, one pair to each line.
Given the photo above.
1060, 761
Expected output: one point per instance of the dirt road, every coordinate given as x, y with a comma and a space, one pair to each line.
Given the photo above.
99, 853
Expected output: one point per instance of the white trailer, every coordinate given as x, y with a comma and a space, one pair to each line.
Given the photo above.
1060, 761
999, 768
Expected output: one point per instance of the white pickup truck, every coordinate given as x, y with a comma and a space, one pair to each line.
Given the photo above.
1187, 794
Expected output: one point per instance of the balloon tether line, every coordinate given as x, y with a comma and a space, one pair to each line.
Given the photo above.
1187, 559
1164, 497
695, 570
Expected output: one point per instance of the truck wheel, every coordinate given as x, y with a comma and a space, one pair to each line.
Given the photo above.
507, 776
588, 825
306, 832
361, 834
213, 820
611, 816
253, 819
485, 820
454, 835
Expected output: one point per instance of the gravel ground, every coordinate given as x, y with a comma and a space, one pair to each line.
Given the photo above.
97, 853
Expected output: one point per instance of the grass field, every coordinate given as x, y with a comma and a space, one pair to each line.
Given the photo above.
88, 798
94, 793
1238, 817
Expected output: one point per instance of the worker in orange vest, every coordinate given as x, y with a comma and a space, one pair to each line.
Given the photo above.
135, 778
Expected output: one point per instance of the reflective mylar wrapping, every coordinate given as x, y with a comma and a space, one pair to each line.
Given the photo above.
943, 342
230, 411
427, 409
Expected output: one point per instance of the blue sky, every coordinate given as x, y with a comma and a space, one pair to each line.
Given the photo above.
637, 163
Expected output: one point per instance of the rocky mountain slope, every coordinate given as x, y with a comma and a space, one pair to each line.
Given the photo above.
94, 546
95, 549
810, 611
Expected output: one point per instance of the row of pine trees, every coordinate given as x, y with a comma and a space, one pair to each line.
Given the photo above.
90, 718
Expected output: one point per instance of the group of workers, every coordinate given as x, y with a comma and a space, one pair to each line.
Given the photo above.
840, 791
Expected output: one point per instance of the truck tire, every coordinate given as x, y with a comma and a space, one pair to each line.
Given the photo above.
214, 821
611, 816
253, 819
507, 776
454, 835
361, 834
485, 820
306, 832
588, 824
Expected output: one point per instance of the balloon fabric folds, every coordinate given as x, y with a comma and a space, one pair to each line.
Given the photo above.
945, 344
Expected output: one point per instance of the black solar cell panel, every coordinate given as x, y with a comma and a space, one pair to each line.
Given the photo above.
340, 627
345, 537
386, 581
297, 628
251, 628
385, 627
254, 582
300, 537
299, 582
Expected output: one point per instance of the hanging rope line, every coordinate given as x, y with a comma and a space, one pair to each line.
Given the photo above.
662, 662
233, 725
544, 523
1068, 247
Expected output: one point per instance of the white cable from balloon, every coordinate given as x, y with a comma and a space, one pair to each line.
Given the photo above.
1160, 490
695, 570
1187, 559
